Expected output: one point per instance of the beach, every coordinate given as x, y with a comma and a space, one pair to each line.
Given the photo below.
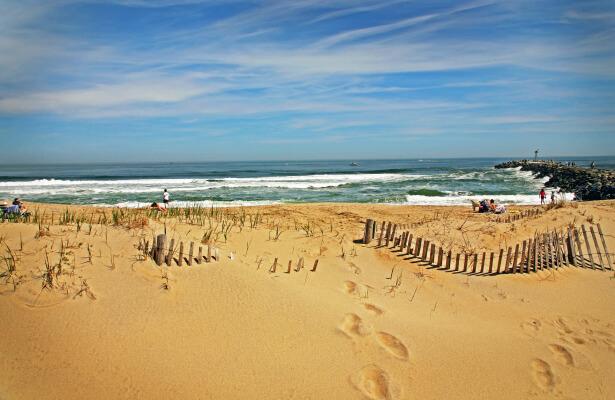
87, 315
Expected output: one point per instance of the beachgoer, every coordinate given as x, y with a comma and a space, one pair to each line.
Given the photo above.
17, 209
593, 165
500, 209
166, 197
484, 206
492, 205
16, 201
12, 209
543, 196
553, 197
158, 207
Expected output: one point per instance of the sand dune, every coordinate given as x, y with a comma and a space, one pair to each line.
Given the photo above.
366, 324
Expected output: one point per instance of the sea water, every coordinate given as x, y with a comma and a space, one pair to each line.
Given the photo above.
416, 181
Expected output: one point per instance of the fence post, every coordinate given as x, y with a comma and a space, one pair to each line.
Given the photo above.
169, 256
160, 242
575, 232
589, 250
571, 251
491, 262
180, 261
606, 251
381, 234
591, 230
409, 250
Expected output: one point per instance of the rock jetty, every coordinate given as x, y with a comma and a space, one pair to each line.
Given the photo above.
586, 183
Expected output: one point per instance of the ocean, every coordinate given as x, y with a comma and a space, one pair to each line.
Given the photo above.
415, 181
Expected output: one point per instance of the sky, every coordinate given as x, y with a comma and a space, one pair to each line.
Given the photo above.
191, 80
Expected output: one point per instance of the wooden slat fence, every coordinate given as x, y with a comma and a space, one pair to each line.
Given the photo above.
575, 246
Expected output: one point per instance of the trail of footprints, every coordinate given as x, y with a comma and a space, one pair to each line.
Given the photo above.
371, 380
572, 336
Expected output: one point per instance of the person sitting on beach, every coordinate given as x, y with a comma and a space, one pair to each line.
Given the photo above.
17, 209
492, 205
158, 207
484, 206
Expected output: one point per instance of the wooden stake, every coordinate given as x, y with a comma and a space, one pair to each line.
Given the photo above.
160, 242
571, 250
465, 262
299, 265
457, 261
440, 255
589, 250
190, 253
180, 260
500, 261
169, 257
409, 250
381, 234
482, 263
514, 266
575, 232
274, 266
591, 229
508, 253
606, 251
448, 259
315, 265
209, 253
387, 235
491, 262
523, 257
425, 250
200, 257
432, 253
558, 249
474, 262
367, 235
417, 248
290, 263
535, 257
543, 254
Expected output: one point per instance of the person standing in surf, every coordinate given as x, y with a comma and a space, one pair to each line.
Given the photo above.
166, 198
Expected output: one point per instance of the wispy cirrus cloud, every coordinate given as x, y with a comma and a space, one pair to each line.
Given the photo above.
310, 66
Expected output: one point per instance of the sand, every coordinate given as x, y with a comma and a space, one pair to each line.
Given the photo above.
113, 325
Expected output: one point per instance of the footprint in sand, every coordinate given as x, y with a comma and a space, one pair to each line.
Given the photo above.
564, 356
353, 326
374, 383
531, 326
562, 325
542, 374
350, 287
373, 309
393, 345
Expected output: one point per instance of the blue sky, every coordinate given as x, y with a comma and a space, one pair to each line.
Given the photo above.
171, 80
